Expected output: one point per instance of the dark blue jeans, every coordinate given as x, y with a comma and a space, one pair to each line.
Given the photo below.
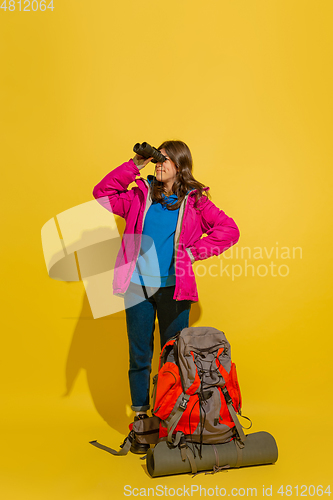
172, 317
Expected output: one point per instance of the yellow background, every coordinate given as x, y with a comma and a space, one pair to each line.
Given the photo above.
247, 84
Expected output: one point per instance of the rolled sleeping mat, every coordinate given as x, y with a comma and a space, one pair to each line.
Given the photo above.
260, 448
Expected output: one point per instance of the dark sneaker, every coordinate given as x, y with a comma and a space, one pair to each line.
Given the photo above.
136, 447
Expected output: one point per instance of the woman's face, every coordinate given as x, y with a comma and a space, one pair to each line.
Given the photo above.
166, 172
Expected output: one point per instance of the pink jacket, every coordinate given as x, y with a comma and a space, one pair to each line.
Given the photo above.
222, 232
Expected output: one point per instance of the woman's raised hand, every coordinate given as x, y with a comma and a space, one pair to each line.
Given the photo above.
141, 161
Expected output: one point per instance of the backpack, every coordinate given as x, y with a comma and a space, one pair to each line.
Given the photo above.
196, 392
196, 400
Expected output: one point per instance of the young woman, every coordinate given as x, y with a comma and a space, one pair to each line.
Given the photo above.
166, 216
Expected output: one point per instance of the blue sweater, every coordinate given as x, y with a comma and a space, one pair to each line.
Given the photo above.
155, 264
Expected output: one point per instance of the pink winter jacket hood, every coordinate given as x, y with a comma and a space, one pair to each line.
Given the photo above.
189, 246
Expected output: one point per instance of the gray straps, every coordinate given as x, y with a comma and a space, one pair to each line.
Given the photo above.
217, 464
217, 405
238, 426
178, 438
190, 457
233, 414
177, 416
239, 448
125, 447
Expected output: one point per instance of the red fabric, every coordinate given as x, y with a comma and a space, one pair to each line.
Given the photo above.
225, 417
169, 388
189, 421
234, 389
170, 342
221, 369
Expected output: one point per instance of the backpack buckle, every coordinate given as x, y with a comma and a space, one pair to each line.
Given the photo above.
183, 404
227, 395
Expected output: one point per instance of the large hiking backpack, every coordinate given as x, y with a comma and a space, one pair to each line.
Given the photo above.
196, 400
196, 392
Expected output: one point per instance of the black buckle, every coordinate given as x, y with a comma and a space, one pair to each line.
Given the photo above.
129, 438
227, 396
183, 404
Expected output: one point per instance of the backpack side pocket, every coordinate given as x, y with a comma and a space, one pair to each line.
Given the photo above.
234, 389
168, 389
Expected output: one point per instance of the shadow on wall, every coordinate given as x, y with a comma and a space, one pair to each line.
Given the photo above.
100, 347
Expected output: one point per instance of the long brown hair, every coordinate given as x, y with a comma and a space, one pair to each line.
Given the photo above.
181, 156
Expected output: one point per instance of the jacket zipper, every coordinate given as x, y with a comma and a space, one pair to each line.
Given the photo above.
148, 203
178, 233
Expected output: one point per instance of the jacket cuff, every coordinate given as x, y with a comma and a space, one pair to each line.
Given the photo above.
190, 255
131, 161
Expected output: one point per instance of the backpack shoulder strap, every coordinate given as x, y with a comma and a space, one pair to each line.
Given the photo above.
177, 416
233, 414
124, 448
